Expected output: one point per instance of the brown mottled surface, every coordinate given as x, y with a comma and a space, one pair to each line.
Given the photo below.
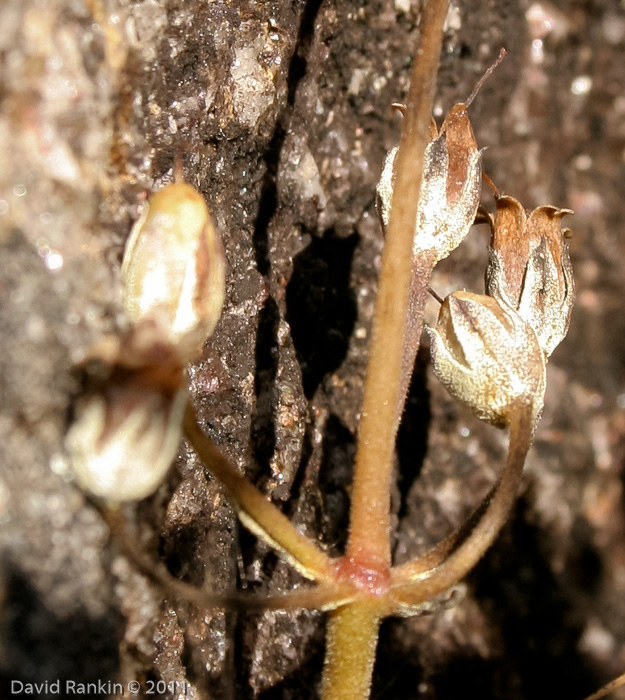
280, 114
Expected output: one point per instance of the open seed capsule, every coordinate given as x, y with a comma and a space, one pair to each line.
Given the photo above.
530, 268
487, 357
128, 425
450, 188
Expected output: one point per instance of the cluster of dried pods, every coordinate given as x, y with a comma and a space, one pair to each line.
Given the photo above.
489, 350
128, 428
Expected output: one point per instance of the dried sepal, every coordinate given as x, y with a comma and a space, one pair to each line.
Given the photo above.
128, 425
450, 188
487, 357
173, 269
530, 268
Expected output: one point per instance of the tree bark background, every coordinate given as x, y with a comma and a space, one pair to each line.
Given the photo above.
280, 114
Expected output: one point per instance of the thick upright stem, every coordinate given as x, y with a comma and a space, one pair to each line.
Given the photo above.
369, 542
350, 652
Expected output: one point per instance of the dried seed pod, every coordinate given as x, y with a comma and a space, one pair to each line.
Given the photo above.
127, 430
487, 357
174, 270
450, 188
530, 268
451, 183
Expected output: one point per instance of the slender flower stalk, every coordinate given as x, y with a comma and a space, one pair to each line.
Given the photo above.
607, 689
258, 513
352, 630
321, 597
412, 584
370, 519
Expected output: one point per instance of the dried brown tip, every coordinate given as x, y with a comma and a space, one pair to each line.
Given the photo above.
480, 82
435, 295
491, 184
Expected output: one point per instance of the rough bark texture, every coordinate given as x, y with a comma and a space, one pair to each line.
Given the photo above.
280, 114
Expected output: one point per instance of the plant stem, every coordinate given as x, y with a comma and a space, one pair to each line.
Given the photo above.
607, 689
422, 267
322, 597
350, 651
353, 629
422, 585
369, 541
256, 512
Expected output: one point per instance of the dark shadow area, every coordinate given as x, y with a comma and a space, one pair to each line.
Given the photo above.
301, 475
396, 676
584, 566
269, 197
335, 478
255, 553
241, 638
472, 676
180, 550
263, 416
38, 646
321, 306
412, 437
536, 617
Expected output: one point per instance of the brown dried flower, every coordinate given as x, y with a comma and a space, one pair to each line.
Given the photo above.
530, 268
451, 184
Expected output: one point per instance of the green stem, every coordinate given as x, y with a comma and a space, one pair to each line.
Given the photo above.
412, 584
350, 651
369, 542
353, 629
256, 512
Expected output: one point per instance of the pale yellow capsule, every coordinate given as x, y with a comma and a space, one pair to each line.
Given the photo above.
487, 357
125, 438
173, 269
450, 188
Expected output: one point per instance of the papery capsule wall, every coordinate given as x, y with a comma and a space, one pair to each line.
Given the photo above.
174, 270
487, 357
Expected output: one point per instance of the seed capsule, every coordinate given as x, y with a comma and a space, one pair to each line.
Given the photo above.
450, 188
451, 183
530, 268
487, 357
127, 429
174, 270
